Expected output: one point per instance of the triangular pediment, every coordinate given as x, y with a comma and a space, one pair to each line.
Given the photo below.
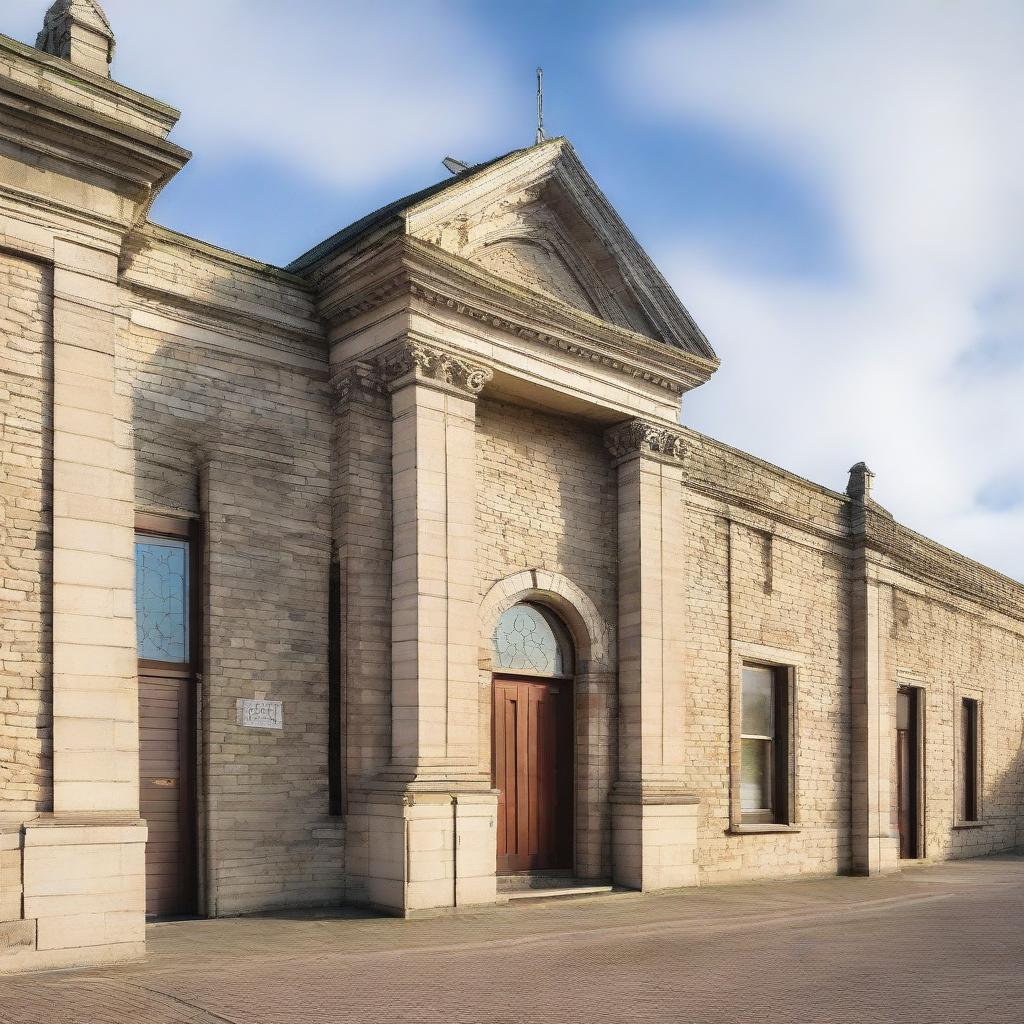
537, 220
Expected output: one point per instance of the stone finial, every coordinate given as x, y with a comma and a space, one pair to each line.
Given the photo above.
78, 31
861, 480
641, 437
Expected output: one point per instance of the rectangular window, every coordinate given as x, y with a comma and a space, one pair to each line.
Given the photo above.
164, 611
764, 746
969, 762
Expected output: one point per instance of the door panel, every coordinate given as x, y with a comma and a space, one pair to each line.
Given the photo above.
166, 794
907, 772
533, 759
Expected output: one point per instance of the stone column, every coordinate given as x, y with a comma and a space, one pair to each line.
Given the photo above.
84, 869
428, 819
874, 845
654, 814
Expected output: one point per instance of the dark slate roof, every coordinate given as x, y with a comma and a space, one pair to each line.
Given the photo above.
380, 217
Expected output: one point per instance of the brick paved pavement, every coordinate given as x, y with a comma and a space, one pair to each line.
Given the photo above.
938, 944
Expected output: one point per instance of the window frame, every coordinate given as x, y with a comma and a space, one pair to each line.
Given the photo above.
964, 772
148, 524
786, 667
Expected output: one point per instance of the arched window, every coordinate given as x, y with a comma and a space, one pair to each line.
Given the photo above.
529, 639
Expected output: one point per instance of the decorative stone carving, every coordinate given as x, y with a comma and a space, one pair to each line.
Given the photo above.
429, 363
641, 437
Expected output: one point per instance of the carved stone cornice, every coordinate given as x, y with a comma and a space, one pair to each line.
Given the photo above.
643, 437
411, 359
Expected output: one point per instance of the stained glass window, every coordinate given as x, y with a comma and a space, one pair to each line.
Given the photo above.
161, 599
529, 639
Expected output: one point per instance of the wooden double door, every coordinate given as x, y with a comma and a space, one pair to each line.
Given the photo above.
167, 793
533, 772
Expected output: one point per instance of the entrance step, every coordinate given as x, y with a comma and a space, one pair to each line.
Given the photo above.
548, 886
565, 891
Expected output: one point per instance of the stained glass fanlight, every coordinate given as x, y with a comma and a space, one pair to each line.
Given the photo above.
161, 599
530, 639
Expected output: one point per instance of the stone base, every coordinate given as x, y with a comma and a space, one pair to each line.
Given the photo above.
654, 841
82, 893
422, 851
876, 855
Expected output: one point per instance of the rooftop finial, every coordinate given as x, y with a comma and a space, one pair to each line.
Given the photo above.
540, 106
861, 479
78, 31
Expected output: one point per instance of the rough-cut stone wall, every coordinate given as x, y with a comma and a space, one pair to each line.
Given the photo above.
26, 424
953, 650
245, 441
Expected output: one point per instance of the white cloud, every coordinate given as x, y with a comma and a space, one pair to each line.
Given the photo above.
907, 117
344, 91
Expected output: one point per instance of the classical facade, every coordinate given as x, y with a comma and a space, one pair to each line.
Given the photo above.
390, 575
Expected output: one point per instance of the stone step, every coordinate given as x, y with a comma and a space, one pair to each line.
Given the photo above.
552, 892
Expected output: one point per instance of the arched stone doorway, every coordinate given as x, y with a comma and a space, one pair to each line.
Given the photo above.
590, 684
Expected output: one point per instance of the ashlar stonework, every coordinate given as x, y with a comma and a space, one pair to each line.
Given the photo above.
356, 483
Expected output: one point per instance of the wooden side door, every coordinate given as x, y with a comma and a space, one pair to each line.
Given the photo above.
167, 793
533, 772
907, 774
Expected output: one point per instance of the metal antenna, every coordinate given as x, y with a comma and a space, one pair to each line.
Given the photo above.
540, 106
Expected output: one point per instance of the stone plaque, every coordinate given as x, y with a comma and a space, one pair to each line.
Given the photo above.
261, 714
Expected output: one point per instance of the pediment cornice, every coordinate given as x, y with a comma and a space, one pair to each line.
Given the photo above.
419, 272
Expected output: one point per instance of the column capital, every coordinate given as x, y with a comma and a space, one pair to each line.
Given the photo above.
358, 382
412, 360
644, 437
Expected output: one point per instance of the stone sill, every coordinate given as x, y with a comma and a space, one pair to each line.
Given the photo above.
968, 824
760, 830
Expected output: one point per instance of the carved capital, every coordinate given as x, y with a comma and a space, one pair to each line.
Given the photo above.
358, 382
641, 437
431, 364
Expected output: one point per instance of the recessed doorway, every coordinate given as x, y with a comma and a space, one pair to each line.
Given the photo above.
533, 741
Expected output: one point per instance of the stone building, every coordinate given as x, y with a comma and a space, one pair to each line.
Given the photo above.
390, 575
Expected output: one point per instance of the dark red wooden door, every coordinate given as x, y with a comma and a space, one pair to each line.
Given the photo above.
166, 801
533, 772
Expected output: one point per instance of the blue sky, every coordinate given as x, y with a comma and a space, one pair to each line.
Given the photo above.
835, 190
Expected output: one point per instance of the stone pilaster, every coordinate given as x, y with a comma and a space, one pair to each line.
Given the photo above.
425, 825
434, 600
84, 869
875, 846
655, 815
